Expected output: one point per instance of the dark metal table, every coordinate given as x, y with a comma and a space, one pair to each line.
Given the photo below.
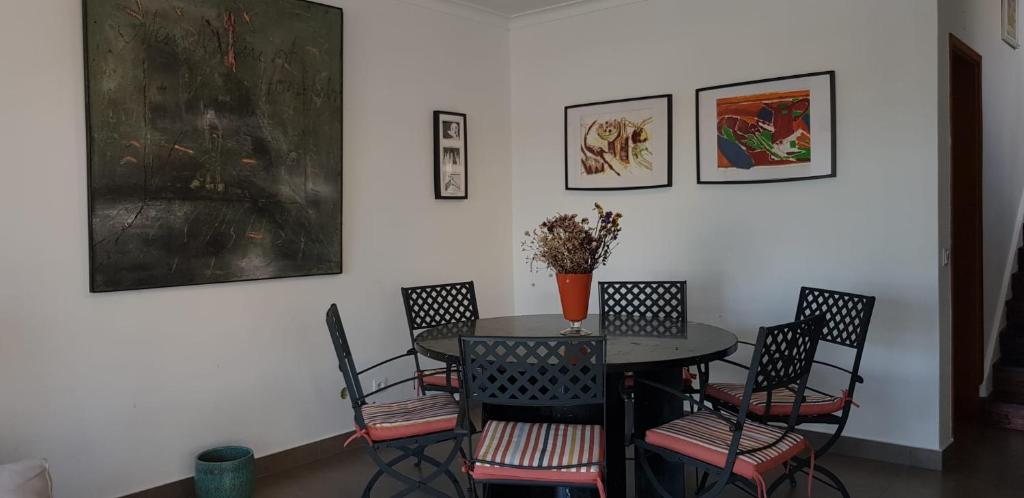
650, 348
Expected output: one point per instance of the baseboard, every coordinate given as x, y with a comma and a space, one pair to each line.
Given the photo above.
881, 451
265, 465
325, 448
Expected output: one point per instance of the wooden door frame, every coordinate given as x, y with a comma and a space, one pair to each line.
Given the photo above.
968, 334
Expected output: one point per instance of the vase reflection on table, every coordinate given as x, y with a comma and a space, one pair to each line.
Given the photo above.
573, 248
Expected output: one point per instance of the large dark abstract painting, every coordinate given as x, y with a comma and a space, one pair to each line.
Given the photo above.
214, 133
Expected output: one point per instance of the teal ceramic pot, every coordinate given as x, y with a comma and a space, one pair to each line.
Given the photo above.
225, 472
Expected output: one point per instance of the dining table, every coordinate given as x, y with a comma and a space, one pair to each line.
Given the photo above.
649, 348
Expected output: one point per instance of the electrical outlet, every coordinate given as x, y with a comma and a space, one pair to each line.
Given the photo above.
380, 383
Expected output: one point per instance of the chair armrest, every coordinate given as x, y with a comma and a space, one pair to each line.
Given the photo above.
813, 390
858, 378
737, 364
410, 352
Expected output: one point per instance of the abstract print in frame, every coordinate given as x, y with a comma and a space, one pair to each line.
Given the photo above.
451, 169
619, 144
214, 141
773, 130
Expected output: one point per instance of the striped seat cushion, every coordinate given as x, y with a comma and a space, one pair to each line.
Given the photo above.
439, 378
414, 417
705, 437
539, 445
782, 400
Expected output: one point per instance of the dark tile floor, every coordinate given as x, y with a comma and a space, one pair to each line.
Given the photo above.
988, 466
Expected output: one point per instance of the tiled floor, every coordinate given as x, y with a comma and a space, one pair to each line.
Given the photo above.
988, 466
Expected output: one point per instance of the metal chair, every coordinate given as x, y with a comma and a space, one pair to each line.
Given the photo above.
664, 299
732, 448
433, 305
657, 299
526, 375
847, 317
408, 426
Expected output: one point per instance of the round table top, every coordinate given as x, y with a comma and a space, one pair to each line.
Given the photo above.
634, 342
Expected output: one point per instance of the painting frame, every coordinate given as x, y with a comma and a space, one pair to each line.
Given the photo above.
1010, 21
569, 145
829, 128
451, 140
91, 166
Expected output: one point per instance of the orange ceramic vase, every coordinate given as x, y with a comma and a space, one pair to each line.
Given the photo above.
574, 291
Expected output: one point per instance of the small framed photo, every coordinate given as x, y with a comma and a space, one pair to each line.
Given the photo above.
450, 156
619, 144
772, 130
1010, 23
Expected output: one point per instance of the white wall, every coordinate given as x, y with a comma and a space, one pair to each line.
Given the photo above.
746, 249
121, 390
978, 24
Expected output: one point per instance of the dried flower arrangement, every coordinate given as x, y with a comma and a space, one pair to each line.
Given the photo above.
568, 244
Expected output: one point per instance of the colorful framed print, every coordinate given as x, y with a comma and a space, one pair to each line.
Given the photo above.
214, 141
1010, 11
619, 144
772, 130
451, 170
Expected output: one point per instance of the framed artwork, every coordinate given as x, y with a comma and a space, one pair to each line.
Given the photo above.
772, 130
214, 141
451, 170
619, 144
1010, 23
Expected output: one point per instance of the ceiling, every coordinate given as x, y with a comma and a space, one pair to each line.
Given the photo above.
516, 7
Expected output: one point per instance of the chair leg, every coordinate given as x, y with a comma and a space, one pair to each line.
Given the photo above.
821, 474
381, 464
443, 468
684, 481
702, 482
836, 483
371, 483
411, 485
704, 376
641, 454
472, 485
717, 489
382, 469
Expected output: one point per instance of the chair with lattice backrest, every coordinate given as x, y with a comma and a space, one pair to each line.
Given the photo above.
733, 448
524, 374
432, 306
408, 426
656, 299
847, 317
649, 299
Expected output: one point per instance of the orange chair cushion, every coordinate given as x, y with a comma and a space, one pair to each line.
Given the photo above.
539, 445
430, 378
782, 400
414, 417
706, 437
